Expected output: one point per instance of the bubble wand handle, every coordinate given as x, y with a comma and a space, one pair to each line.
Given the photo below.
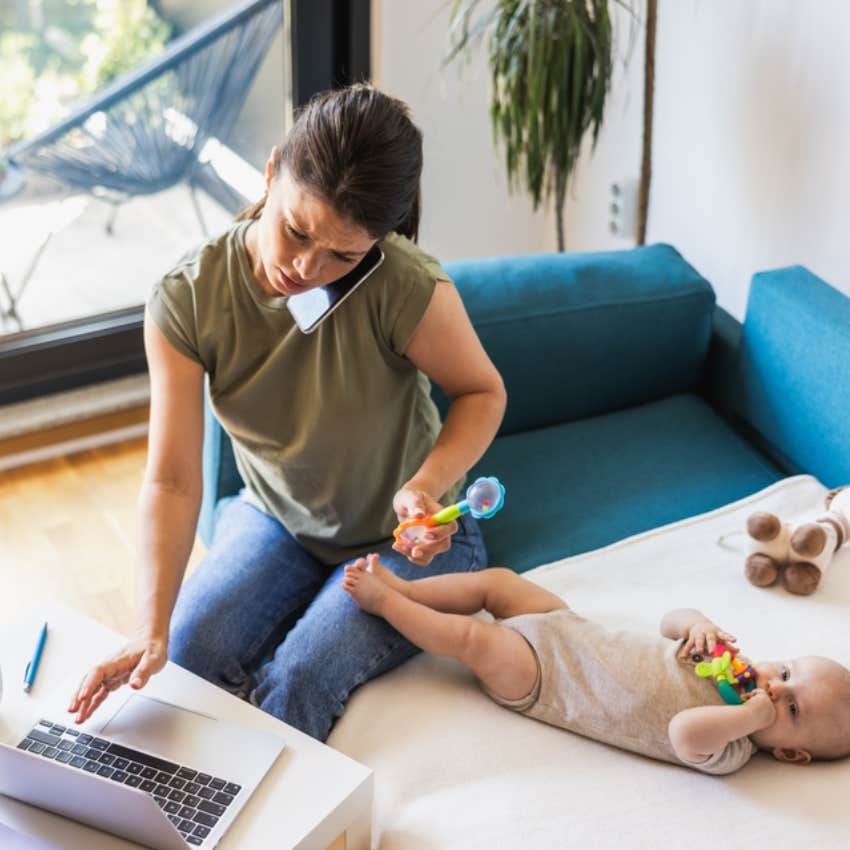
452, 512
484, 498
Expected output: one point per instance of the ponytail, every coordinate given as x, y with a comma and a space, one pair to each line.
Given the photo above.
409, 227
252, 211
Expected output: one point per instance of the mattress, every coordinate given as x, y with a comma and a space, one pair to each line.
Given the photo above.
454, 770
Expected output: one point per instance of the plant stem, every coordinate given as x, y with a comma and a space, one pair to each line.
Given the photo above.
560, 201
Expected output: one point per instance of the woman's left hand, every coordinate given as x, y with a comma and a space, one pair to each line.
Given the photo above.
408, 504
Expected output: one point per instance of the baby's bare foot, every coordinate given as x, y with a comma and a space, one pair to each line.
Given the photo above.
386, 575
366, 589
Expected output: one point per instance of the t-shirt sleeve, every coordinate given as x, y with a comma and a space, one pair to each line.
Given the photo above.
733, 757
410, 289
171, 305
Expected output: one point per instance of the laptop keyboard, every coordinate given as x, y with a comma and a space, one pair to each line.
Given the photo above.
193, 801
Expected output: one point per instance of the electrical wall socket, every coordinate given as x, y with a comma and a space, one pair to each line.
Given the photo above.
622, 208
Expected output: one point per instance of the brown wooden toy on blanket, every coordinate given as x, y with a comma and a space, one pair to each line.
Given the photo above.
798, 553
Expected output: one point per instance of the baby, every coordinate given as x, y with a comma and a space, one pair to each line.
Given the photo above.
637, 692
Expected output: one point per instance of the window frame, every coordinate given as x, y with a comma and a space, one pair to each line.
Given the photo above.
110, 345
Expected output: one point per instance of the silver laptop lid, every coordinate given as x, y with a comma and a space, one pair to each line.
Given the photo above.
87, 798
160, 729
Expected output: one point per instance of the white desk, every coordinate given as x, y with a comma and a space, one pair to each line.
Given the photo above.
311, 796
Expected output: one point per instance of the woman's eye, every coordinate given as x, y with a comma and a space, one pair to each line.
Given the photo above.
784, 674
293, 232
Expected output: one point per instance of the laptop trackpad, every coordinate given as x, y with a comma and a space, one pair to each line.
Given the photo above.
175, 733
193, 739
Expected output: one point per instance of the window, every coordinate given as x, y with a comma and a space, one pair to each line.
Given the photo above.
77, 264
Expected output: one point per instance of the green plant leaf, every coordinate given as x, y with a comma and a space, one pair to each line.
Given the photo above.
550, 73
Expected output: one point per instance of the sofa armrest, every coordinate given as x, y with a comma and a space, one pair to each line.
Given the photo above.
220, 474
793, 379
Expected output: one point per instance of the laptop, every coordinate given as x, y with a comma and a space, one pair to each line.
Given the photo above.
158, 774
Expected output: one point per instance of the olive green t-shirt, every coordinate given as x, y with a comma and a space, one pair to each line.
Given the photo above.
327, 426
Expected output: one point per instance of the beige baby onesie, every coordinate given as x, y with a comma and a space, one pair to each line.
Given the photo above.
619, 687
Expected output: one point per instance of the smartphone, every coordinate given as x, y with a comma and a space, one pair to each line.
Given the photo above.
311, 308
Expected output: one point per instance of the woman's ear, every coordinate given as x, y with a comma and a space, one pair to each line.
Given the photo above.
792, 756
271, 167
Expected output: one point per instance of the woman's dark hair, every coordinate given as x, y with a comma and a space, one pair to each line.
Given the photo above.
358, 150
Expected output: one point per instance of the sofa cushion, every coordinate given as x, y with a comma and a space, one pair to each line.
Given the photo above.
793, 382
575, 335
575, 487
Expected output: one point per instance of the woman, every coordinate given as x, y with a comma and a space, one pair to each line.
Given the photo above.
334, 432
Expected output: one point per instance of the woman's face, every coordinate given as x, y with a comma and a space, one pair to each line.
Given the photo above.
301, 241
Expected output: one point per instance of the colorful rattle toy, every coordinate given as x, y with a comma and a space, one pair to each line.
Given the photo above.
729, 673
484, 497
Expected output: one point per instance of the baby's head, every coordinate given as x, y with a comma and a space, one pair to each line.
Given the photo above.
811, 696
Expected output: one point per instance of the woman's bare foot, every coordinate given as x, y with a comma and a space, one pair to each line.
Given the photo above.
367, 590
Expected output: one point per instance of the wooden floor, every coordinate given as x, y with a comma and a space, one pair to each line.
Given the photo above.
69, 529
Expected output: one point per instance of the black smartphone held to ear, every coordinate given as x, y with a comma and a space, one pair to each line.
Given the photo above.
311, 308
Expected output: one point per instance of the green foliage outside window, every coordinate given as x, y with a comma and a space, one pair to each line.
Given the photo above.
125, 34
64, 51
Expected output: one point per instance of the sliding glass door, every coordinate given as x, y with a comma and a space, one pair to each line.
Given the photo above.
91, 216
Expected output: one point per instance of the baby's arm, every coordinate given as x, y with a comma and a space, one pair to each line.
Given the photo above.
698, 733
695, 629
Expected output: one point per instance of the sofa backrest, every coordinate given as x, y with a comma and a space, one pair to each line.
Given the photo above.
575, 335
793, 380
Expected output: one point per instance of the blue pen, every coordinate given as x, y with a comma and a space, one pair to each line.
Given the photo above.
32, 667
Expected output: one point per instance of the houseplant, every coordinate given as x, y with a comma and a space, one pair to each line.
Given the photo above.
550, 64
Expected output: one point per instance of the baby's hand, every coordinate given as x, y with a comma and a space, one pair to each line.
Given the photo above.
761, 705
703, 636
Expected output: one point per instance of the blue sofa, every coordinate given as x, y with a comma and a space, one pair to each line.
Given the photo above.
633, 399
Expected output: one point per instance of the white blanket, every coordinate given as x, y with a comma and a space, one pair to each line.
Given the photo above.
454, 770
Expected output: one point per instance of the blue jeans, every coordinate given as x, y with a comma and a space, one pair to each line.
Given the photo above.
265, 620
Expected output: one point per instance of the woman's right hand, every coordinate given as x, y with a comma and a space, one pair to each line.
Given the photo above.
134, 663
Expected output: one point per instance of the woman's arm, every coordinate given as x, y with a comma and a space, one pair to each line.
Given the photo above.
170, 497
698, 733
446, 348
169, 502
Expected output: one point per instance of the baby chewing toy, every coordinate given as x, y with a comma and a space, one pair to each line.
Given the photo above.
731, 675
484, 497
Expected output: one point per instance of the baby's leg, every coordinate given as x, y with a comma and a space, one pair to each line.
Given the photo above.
497, 590
500, 657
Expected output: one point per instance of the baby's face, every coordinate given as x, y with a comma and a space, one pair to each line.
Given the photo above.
806, 692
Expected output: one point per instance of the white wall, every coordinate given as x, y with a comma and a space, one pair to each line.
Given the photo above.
750, 166
467, 210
